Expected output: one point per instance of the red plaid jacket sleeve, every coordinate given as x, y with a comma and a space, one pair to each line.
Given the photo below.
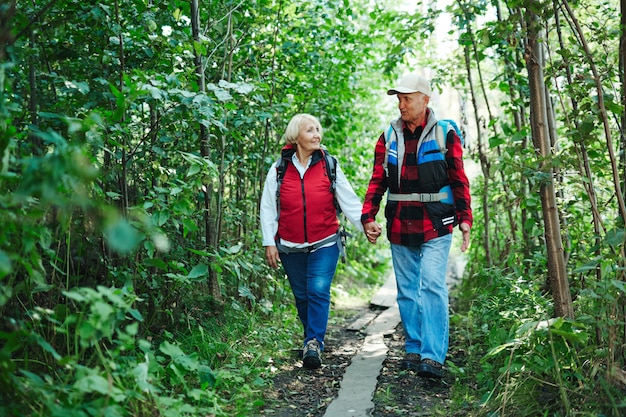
377, 186
458, 179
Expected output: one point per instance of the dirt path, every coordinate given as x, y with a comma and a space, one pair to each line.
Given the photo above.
355, 397
298, 392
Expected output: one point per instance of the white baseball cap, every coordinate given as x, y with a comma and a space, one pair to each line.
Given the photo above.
411, 83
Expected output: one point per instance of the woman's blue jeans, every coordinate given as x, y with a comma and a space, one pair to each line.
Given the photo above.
423, 296
310, 276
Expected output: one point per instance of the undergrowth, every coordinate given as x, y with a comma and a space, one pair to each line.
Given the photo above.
94, 354
520, 361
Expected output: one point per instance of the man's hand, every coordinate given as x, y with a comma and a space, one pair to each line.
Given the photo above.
271, 256
372, 231
465, 229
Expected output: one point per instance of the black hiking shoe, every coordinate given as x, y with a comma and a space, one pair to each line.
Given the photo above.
311, 355
429, 368
411, 361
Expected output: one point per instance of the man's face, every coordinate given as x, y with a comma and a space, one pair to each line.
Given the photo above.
412, 107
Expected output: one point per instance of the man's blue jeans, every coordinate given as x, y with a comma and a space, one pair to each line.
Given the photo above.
423, 296
310, 276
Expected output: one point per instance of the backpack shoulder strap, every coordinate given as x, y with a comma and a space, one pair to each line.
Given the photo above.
388, 135
331, 170
443, 128
281, 166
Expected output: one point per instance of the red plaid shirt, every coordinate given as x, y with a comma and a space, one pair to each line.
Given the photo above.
410, 224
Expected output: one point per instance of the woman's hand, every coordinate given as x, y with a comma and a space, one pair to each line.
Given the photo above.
271, 256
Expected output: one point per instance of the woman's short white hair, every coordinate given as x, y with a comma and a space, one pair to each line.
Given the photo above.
296, 122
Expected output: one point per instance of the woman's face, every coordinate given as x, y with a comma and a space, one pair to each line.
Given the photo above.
309, 137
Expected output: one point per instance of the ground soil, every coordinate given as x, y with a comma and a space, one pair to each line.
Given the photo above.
299, 392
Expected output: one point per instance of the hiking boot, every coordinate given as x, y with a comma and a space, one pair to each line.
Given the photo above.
411, 361
429, 368
311, 356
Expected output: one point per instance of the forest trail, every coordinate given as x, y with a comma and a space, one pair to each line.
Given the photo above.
361, 374
360, 379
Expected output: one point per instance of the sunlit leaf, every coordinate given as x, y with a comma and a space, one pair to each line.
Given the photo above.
246, 293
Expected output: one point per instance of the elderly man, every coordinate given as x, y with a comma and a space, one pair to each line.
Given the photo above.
419, 161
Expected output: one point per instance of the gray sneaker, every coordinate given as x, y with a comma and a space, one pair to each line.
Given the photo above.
311, 355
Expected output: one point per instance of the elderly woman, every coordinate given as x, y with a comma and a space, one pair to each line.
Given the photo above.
300, 225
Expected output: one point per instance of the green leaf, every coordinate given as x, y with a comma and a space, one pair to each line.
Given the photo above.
199, 271
155, 262
171, 350
5, 264
74, 295
220, 93
496, 141
47, 347
233, 249
572, 336
614, 237
132, 329
242, 88
189, 226
193, 170
98, 384
102, 309
589, 266
620, 285
245, 292
178, 356
135, 314
500, 348
142, 377
159, 218
207, 376
122, 237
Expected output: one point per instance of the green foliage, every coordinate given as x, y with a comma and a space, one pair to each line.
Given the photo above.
128, 375
132, 279
525, 362
528, 362
128, 191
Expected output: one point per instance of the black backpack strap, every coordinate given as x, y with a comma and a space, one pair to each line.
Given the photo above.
281, 166
331, 169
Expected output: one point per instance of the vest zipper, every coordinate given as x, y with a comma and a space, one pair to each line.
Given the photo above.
306, 237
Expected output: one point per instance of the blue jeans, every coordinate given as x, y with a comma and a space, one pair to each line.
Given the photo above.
423, 296
310, 276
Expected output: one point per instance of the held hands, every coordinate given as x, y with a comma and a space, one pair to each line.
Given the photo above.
271, 256
372, 231
465, 229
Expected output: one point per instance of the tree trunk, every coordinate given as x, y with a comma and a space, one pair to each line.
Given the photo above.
484, 162
214, 286
557, 272
622, 71
583, 157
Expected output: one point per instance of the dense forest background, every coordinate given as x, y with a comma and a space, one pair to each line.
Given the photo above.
135, 136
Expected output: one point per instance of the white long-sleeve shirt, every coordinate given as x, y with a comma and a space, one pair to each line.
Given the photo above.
349, 202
